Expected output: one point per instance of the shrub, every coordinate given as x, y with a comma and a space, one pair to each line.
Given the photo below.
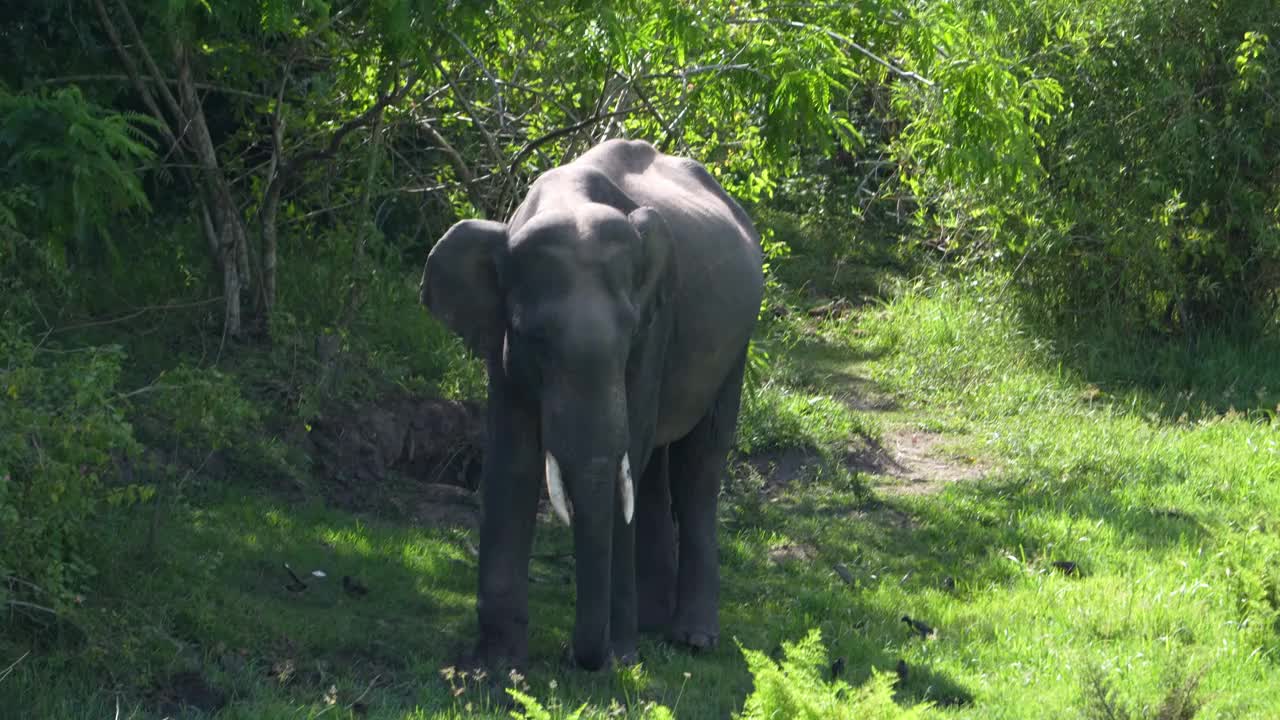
61, 422
795, 688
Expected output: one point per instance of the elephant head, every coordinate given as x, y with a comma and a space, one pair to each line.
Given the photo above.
556, 306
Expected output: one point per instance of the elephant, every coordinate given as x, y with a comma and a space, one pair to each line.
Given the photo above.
614, 310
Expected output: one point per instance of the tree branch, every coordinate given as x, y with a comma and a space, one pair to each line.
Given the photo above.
347, 127
131, 69
460, 166
497, 94
535, 144
156, 75
108, 77
136, 313
467, 107
905, 74
702, 69
671, 132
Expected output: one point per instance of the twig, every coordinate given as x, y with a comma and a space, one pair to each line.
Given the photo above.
108, 77
14, 664
375, 679
30, 606
497, 94
136, 313
671, 133
535, 144
700, 69
460, 165
364, 118
469, 109
905, 74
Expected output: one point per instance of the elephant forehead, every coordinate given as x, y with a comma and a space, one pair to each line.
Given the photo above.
586, 231
565, 259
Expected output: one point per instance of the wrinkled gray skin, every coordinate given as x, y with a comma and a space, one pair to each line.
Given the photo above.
614, 311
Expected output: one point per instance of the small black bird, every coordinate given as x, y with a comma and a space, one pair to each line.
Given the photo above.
920, 627
353, 586
837, 667
948, 583
296, 585
1067, 567
902, 670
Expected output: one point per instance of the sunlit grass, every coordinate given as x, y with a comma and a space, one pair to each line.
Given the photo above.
1171, 523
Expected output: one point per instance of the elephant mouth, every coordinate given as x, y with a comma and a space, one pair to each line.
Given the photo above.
560, 499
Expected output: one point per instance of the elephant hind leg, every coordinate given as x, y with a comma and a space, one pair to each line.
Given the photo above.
655, 546
697, 463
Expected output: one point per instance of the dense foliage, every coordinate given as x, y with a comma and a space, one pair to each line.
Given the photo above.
1151, 196
213, 215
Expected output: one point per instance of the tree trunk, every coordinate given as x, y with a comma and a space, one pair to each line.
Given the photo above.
233, 245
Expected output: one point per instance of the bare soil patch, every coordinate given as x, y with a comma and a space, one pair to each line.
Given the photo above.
793, 552
905, 462
917, 463
860, 393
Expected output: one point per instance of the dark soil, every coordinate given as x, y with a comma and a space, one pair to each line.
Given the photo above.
187, 691
361, 453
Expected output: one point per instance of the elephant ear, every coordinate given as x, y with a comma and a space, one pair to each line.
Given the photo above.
460, 282
654, 264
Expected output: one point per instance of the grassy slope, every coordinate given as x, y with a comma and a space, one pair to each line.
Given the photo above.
1172, 522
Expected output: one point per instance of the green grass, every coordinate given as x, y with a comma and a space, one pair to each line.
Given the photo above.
1173, 522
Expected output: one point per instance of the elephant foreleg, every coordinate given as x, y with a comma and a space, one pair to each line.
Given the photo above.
510, 490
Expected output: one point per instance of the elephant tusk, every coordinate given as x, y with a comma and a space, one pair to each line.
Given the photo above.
626, 489
555, 490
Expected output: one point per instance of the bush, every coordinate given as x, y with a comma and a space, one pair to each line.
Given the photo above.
61, 427
795, 688
1148, 191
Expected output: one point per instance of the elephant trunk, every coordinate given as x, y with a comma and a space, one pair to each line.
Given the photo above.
592, 496
593, 489
588, 475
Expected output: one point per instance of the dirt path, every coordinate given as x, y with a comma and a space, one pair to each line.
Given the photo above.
920, 462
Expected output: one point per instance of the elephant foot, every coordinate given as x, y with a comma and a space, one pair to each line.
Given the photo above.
497, 662
625, 652
696, 639
625, 656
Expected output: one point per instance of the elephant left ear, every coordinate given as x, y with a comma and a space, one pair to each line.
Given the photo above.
654, 257
460, 282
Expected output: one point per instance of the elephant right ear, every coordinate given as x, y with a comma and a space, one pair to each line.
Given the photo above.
460, 282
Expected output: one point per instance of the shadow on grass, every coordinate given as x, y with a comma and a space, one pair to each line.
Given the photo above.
249, 599
1213, 372
818, 551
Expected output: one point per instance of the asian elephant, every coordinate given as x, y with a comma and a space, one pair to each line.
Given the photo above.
614, 309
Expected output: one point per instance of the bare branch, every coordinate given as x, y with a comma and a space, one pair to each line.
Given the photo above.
905, 74
14, 664
460, 165
470, 110
671, 132
136, 313
535, 144
702, 69
131, 68
156, 75
359, 121
30, 606
497, 93
130, 78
